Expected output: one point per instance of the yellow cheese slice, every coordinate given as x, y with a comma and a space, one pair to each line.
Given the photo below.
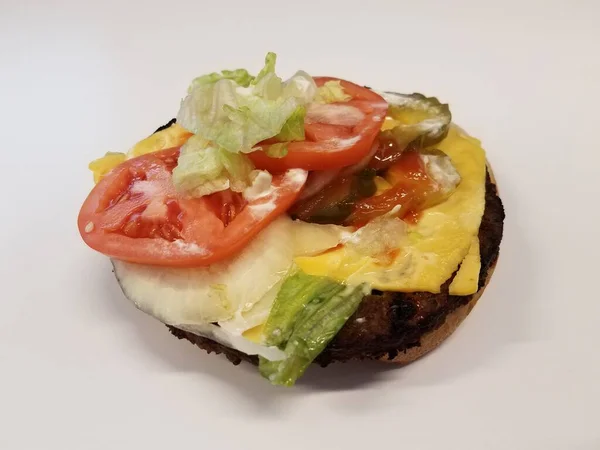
437, 244
101, 166
173, 136
466, 280
255, 334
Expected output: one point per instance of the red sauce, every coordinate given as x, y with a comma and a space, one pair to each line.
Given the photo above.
411, 186
412, 217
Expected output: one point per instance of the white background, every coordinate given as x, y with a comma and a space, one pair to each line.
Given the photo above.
80, 368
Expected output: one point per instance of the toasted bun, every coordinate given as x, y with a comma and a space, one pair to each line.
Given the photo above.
430, 341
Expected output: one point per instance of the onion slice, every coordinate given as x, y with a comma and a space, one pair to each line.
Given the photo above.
316, 181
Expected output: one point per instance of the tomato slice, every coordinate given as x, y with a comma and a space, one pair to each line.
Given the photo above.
135, 214
337, 134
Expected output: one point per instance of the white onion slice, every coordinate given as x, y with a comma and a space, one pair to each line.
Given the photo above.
316, 181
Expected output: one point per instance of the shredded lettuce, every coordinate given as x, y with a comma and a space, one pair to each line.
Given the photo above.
293, 128
330, 92
229, 113
270, 61
278, 150
307, 313
204, 169
239, 76
236, 117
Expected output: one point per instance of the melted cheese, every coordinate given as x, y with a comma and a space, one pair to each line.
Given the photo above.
101, 166
437, 244
174, 136
445, 235
466, 280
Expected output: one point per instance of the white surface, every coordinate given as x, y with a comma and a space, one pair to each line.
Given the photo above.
82, 369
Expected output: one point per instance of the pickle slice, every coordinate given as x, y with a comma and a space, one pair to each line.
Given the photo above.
419, 120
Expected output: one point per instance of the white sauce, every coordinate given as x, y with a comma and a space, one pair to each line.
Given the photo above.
155, 210
261, 186
345, 143
240, 343
394, 211
189, 247
148, 188
296, 177
262, 210
441, 169
334, 114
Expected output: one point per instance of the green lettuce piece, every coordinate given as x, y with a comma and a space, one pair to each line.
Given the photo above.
423, 121
236, 117
278, 150
239, 76
300, 86
268, 69
203, 169
330, 92
293, 128
307, 313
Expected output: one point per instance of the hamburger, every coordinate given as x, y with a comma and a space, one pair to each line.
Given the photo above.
311, 220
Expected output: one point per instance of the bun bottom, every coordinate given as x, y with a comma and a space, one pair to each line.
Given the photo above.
428, 341
433, 339
385, 337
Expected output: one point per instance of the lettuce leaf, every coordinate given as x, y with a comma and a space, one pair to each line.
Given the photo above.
332, 91
293, 128
306, 315
267, 70
236, 117
278, 150
239, 76
204, 169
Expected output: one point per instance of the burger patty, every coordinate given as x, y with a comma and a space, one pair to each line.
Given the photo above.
387, 323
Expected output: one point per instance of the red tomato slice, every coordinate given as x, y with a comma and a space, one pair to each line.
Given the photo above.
339, 135
135, 214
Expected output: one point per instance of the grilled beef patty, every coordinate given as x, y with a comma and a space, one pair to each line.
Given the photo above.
387, 323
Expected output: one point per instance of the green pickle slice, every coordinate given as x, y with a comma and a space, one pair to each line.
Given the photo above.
424, 121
